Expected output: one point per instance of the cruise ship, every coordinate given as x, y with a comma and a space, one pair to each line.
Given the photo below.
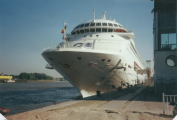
97, 57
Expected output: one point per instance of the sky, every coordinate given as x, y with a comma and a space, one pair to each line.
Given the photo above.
28, 26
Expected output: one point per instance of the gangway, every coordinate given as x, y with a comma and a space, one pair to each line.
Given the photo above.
146, 71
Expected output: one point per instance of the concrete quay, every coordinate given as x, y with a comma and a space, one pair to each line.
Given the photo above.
136, 103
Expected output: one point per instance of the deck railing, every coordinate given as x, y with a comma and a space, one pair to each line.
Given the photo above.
89, 44
169, 102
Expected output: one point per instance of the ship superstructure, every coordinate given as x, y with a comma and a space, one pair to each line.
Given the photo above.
97, 56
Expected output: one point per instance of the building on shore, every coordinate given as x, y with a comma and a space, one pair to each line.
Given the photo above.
5, 79
165, 46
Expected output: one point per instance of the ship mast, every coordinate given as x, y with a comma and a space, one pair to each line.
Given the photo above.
93, 15
64, 35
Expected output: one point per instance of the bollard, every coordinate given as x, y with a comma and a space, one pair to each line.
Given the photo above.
98, 93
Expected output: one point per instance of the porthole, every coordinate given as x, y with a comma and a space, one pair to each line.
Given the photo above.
171, 60
79, 58
103, 60
109, 61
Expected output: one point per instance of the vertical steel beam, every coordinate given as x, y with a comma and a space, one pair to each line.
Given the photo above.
163, 95
156, 30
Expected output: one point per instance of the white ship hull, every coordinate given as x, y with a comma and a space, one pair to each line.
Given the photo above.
97, 56
90, 73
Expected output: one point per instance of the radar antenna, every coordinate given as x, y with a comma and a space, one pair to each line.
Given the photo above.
104, 16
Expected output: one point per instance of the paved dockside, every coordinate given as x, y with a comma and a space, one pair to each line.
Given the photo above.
138, 103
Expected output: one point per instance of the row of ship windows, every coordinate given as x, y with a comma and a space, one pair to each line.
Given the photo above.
97, 30
98, 24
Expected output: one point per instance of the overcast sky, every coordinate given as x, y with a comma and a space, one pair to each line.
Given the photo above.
28, 26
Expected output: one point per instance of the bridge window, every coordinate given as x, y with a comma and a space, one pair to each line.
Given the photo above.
104, 29
92, 24
78, 32
110, 30
104, 24
92, 30
98, 24
115, 25
120, 26
110, 24
86, 30
86, 25
81, 31
77, 27
98, 29
73, 33
81, 25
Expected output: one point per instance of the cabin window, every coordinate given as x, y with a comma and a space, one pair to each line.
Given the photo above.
92, 24
110, 30
86, 25
104, 24
92, 30
110, 24
81, 31
78, 32
86, 30
82, 25
115, 25
98, 29
104, 29
98, 24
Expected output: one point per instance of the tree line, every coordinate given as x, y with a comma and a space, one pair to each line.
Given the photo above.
32, 76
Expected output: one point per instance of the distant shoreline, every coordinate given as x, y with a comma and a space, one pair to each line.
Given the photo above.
43, 80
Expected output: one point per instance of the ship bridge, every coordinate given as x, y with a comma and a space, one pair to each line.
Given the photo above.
98, 25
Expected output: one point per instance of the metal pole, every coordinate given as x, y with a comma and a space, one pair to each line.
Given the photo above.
163, 95
167, 104
170, 104
121, 84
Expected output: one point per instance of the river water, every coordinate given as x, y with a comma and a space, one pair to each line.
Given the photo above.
21, 97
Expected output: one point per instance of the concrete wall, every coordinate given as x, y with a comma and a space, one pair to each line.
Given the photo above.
165, 76
160, 66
